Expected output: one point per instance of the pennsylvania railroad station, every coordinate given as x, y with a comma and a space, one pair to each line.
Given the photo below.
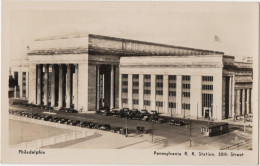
93, 71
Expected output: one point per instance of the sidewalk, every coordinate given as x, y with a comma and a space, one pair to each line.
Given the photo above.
229, 121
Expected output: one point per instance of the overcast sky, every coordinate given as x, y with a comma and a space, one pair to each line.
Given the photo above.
181, 24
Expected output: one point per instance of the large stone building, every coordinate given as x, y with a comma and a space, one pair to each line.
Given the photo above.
94, 71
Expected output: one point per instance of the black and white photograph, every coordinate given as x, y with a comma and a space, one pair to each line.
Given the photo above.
161, 79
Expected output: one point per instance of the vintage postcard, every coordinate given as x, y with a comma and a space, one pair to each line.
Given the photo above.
96, 82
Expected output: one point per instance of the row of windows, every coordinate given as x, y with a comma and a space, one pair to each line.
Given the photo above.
147, 84
186, 78
159, 92
135, 101
125, 83
172, 85
172, 93
159, 77
136, 91
147, 92
147, 102
124, 90
186, 94
135, 83
159, 104
207, 87
207, 78
170, 77
172, 105
186, 86
185, 106
159, 84
135, 76
124, 100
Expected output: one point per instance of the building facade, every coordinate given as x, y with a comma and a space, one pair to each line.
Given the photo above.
90, 72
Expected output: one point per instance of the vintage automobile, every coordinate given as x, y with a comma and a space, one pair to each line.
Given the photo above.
104, 127
68, 122
70, 110
63, 120
96, 126
91, 125
140, 129
115, 112
56, 119
85, 124
161, 120
104, 111
116, 129
145, 118
153, 118
153, 112
124, 131
145, 113
75, 122
47, 118
180, 123
172, 122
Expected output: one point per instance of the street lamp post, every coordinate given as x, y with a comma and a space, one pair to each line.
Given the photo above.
152, 131
190, 128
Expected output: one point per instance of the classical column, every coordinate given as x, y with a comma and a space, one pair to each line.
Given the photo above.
243, 101
112, 87
248, 101
60, 103
52, 67
76, 87
130, 91
98, 85
141, 91
39, 87
233, 96
27, 85
20, 83
120, 91
68, 87
230, 97
46, 75
165, 93
237, 102
153, 93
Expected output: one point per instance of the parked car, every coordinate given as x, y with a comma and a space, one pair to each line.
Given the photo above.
97, 126
124, 113
56, 119
145, 113
123, 131
63, 120
85, 124
70, 110
116, 129
161, 120
104, 127
35, 115
115, 112
145, 118
91, 125
105, 111
75, 122
177, 122
47, 117
153, 118
68, 122
153, 112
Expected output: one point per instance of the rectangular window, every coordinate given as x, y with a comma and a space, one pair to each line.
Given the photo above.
124, 100
135, 76
136, 91
172, 93
172, 105
147, 84
159, 77
207, 87
159, 104
185, 106
186, 86
135, 83
186, 78
159, 92
147, 92
24, 84
135, 101
147, 102
24, 78
172, 85
172, 77
125, 83
124, 90
207, 78
147, 77
124, 75
186, 94
159, 84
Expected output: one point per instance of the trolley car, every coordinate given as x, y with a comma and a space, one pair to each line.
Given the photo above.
214, 129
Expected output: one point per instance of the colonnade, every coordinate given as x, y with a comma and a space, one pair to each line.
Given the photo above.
243, 101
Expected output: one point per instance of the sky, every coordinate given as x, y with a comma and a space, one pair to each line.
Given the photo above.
187, 24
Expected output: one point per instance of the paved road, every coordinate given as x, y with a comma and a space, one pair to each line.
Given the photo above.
169, 135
